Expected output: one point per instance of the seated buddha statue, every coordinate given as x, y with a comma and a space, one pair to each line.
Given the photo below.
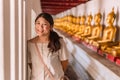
88, 28
114, 50
70, 28
69, 18
73, 29
96, 29
76, 26
109, 32
81, 26
78, 20
69, 23
74, 19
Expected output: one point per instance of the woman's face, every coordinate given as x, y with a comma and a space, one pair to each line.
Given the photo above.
42, 27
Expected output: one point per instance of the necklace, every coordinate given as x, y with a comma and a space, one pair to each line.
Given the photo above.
42, 39
42, 48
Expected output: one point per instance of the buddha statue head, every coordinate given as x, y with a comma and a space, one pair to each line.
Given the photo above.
89, 19
74, 19
97, 18
70, 18
78, 20
82, 19
110, 18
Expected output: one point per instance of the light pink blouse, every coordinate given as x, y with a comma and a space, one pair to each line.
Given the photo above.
52, 60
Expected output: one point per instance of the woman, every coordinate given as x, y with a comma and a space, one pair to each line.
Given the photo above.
51, 47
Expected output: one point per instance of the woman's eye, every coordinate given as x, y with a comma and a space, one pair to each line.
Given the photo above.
38, 23
45, 24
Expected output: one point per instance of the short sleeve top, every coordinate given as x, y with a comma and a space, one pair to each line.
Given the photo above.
52, 60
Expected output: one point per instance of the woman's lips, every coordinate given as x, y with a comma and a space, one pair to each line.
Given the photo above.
40, 31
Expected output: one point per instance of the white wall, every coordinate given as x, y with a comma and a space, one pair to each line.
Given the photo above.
33, 8
118, 8
15, 23
81, 9
1, 42
6, 38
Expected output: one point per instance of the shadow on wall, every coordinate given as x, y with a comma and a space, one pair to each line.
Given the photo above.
117, 26
71, 74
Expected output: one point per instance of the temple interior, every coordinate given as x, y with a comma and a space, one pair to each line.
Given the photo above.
90, 28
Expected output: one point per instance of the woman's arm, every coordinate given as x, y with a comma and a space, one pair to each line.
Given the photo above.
64, 65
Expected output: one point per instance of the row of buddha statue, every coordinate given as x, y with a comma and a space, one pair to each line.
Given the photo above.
101, 38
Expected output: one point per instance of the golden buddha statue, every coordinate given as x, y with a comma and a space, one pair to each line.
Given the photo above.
108, 32
88, 28
69, 18
74, 19
113, 50
81, 26
96, 29
67, 23
75, 30
78, 20
70, 28
76, 26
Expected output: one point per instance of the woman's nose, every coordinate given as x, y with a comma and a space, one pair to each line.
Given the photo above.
40, 27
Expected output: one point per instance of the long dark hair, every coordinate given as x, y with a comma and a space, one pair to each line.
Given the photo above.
54, 44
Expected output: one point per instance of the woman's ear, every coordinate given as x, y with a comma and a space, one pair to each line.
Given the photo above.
51, 28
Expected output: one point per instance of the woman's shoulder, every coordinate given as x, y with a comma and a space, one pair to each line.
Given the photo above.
33, 40
62, 40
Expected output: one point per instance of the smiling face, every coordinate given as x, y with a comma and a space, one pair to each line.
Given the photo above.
42, 27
